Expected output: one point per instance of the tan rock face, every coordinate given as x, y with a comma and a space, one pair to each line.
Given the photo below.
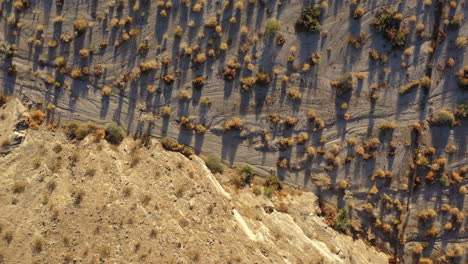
90, 201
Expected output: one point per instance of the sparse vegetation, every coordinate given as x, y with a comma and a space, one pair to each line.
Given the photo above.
342, 220
114, 133
214, 163
309, 20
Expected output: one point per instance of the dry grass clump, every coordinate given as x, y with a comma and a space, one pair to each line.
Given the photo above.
426, 214
386, 125
455, 251
344, 84
36, 118
76, 73
198, 82
408, 87
166, 111
290, 121
442, 118
321, 180
106, 90
432, 232
173, 145
248, 82
294, 94
169, 78
184, 95
315, 58
358, 12
451, 149
211, 22
262, 78
382, 174
425, 81
147, 66
233, 123
205, 101
461, 42
274, 118
286, 142
80, 25
283, 163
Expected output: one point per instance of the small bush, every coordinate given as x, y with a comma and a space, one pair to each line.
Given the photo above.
214, 163
442, 118
273, 182
386, 126
408, 87
344, 84
247, 172
388, 22
114, 133
342, 220
36, 118
309, 20
233, 123
461, 111
262, 78
272, 25
80, 25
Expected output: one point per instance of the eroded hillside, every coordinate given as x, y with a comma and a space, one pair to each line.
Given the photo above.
362, 102
85, 201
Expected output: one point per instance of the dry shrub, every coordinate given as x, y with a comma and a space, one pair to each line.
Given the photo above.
106, 90
443, 118
80, 25
198, 82
294, 94
408, 87
426, 214
290, 121
166, 111
432, 232
147, 66
169, 78
36, 118
233, 123
263, 78
387, 125
286, 142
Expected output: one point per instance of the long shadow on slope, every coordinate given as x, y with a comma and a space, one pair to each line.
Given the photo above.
230, 143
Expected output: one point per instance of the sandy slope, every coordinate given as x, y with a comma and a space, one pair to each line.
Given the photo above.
164, 209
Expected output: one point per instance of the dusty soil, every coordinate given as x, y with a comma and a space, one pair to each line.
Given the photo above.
139, 111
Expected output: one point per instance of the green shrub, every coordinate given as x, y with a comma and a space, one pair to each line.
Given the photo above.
386, 21
309, 20
114, 133
247, 172
342, 220
70, 130
443, 118
345, 84
82, 131
214, 163
273, 182
461, 111
272, 25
